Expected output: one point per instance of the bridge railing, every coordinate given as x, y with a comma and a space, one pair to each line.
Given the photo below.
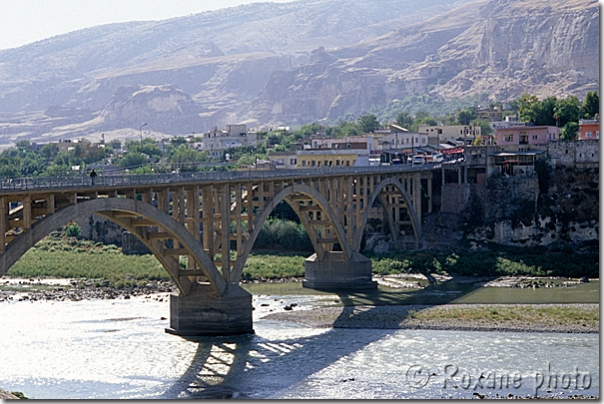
127, 180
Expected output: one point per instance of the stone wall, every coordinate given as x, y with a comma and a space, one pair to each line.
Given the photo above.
97, 228
575, 153
454, 197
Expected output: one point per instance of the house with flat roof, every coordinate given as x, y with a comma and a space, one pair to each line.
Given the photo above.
215, 142
525, 136
589, 129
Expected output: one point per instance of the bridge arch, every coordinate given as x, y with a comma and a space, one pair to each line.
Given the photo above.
376, 192
108, 207
317, 198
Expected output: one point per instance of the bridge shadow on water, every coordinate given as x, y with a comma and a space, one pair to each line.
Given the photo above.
255, 367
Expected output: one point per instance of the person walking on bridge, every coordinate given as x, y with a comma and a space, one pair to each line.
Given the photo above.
92, 176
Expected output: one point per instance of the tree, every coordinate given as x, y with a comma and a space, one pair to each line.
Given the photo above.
569, 131
466, 116
177, 141
404, 119
485, 126
528, 108
591, 105
368, 123
545, 112
188, 159
132, 160
567, 110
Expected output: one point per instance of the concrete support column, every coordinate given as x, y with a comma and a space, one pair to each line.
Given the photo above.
3, 210
202, 312
27, 212
429, 195
334, 273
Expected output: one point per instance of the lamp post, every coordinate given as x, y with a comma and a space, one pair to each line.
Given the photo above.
141, 131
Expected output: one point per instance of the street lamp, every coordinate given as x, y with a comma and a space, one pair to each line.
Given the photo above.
141, 130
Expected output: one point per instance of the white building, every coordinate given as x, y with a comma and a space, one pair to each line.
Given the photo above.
400, 138
216, 141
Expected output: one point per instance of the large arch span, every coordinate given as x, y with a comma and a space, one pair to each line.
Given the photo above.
283, 195
374, 195
117, 210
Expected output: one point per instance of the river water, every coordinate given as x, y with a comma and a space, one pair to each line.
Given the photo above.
105, 349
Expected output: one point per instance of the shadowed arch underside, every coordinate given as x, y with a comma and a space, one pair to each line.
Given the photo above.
378, 192
319, 203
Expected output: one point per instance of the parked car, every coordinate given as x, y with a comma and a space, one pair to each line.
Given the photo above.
418, 160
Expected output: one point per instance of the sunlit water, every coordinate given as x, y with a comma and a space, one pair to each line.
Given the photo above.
118, 349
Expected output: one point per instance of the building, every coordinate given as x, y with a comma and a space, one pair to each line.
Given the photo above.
589, 129
398, 137
283, 160
527, 135
456, 133
217, 141
315, 158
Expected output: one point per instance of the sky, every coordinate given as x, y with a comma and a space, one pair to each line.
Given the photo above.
27, 21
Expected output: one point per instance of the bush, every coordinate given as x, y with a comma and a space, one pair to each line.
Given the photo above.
73, 230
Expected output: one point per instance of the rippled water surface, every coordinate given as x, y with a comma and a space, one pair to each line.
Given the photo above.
118, 349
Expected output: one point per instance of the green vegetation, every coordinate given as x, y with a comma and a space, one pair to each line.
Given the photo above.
504, 261
564, 113
20, 395
58, 256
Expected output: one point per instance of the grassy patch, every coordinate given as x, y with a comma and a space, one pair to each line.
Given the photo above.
529, 314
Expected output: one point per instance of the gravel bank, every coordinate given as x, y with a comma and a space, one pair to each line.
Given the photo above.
566, 318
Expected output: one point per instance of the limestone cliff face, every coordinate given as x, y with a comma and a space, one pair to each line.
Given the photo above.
504, 48
161, 107
515, 47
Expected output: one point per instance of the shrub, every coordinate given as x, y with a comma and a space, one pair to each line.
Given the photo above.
73, 230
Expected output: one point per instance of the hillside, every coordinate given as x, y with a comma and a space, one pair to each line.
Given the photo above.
291, 63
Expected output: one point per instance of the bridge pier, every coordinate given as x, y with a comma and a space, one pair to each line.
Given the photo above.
334, 273
203, 312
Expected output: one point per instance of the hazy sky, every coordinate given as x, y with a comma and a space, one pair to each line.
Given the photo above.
26, 21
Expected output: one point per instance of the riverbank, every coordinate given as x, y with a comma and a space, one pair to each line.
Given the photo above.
393, 307
562, 318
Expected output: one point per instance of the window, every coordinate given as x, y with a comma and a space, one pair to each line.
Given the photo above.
534, 137
314, 163
303, 163
293, 161
508, 138
587, 134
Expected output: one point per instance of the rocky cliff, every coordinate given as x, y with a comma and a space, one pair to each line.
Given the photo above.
500, 47
292, 63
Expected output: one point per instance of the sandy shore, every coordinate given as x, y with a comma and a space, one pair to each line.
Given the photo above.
566, 318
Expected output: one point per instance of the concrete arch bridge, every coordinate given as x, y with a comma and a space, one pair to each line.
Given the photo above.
213, 219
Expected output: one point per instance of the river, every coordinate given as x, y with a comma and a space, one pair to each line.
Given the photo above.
106, 349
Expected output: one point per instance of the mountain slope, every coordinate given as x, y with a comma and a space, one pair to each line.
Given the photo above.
292, 63
501, 47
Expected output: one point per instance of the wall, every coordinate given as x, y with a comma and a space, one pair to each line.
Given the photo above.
577, 153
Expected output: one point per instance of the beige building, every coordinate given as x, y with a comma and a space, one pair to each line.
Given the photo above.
217, 141
283, 160
453, 133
